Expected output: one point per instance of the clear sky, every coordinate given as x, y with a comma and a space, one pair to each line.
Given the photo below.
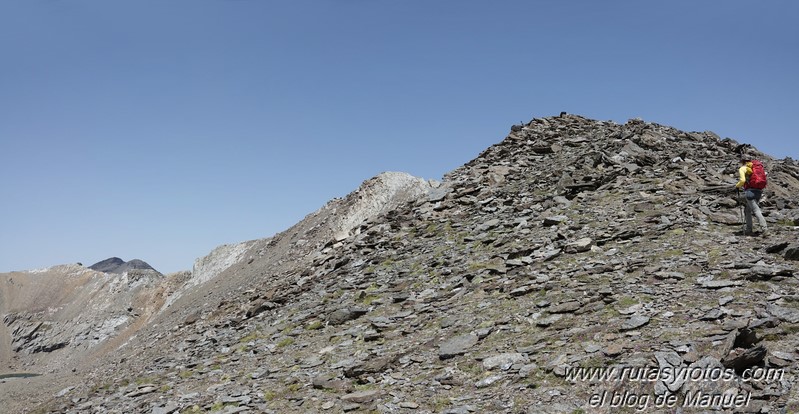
161, 129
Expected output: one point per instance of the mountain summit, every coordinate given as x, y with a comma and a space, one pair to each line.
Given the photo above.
577, 266
117, 265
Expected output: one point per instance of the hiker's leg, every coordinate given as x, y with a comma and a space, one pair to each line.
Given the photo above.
748, 217
759, 214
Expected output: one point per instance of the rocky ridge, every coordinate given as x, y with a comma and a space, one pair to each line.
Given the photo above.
55, 316
573, 243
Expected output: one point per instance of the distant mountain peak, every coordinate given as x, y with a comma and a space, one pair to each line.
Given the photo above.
117, 265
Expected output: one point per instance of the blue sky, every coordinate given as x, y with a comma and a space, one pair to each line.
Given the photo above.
159, 130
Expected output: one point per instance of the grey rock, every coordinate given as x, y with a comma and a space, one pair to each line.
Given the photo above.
554, 220
745, 358
350, 407
591, 348
786, 314
142, 390
792, 253
503, 361
169, 408
466, 409
579, 246
548, 254
488, 381
565, 307
635, 322
783, 355
670, 275
776, 248
711, 315
668, 364
488, 225
549, 320
528, 370
437, 194
341, 316
719, 284
457, 346
330, 382
371, 366
766, 271
360, 397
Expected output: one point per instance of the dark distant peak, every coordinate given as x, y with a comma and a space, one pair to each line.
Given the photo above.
117, 265
107, 265
135, 264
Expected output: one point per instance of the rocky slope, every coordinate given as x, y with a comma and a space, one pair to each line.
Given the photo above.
573, 243
60, 320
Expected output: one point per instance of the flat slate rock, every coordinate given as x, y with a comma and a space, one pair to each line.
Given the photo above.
457, 346
720, 284
634, 322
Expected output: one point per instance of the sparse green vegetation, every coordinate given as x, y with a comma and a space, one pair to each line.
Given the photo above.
368, 299
314, 325
610, 312
440, 403
671, 254
760, 286
252, 336
431, 228
101, 388
475, 266
472, 368
145, 380
627, 301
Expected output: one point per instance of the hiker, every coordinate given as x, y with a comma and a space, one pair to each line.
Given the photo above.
752, 179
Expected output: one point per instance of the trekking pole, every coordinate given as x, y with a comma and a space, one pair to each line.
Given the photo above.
743, 219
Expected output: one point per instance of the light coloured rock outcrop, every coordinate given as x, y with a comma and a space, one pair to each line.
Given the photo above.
221, 258
375, 196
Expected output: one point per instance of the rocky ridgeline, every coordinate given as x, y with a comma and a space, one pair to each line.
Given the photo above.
53, 317
572, 243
